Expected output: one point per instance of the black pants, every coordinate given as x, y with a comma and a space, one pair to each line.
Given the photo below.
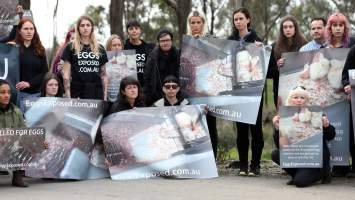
302, 177
275, 88
86, 90
212, 128
257, 140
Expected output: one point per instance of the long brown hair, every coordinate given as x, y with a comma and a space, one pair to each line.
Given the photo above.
282, 44
36, 42
94, 45
49, 76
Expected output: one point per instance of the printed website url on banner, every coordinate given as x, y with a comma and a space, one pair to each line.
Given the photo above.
225, 112
18, 165
54, 103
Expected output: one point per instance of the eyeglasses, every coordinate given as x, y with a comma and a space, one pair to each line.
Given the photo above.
171, 86
164, 41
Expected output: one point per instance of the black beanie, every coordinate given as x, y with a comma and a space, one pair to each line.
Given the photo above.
164, 32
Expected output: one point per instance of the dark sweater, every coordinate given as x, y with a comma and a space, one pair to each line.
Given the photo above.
32, 68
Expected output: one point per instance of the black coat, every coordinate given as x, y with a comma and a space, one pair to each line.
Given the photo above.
349, 64
122, 104
159, 66
250, 38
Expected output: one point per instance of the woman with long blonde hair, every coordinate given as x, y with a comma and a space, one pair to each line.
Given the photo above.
84, 72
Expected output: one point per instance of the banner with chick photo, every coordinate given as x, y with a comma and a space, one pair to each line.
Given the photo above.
301, 137
19, 147
120, 65
225, 75
8, 17
159, 142
319, 72
71, 126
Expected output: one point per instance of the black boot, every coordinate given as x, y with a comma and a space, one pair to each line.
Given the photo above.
17, 179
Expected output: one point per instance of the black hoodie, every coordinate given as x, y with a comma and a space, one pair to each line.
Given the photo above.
142, 53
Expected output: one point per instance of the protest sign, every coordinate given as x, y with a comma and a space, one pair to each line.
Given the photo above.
301, 137
19, 147
120, 65
319, 72
71, 126
171, 142
225, 75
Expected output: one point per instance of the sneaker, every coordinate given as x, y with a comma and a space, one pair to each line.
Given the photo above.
243, 173
254, 171
243, 169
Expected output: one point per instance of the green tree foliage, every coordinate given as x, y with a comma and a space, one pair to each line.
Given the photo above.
98, 15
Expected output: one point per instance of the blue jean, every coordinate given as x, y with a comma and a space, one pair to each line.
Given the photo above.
21, 98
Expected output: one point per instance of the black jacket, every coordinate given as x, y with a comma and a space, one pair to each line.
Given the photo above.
250, 38
122, 104
159, 66
349, 64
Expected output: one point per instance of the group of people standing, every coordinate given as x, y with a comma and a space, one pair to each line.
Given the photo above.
78, 71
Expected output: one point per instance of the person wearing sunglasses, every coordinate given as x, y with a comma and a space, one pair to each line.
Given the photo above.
172, 94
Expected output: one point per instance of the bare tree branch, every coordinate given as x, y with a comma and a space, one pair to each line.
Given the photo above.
283, 8
173, 4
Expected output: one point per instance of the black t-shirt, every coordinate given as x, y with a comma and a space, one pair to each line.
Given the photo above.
85, 66
142, 53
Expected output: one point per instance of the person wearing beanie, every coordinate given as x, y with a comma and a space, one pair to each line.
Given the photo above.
172, 94
143, 49
304, 177
162, 62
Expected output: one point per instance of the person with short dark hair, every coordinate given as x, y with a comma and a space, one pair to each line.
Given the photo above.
172, 94
143, 49
130, 95
163, 61
317, 27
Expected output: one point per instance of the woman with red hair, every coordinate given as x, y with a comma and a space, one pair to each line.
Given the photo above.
338, 31
33, 61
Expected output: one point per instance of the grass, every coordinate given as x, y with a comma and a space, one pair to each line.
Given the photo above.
227, 131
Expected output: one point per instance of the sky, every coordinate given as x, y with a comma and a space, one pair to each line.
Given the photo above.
68, 12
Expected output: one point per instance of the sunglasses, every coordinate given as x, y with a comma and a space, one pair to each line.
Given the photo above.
171, 86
